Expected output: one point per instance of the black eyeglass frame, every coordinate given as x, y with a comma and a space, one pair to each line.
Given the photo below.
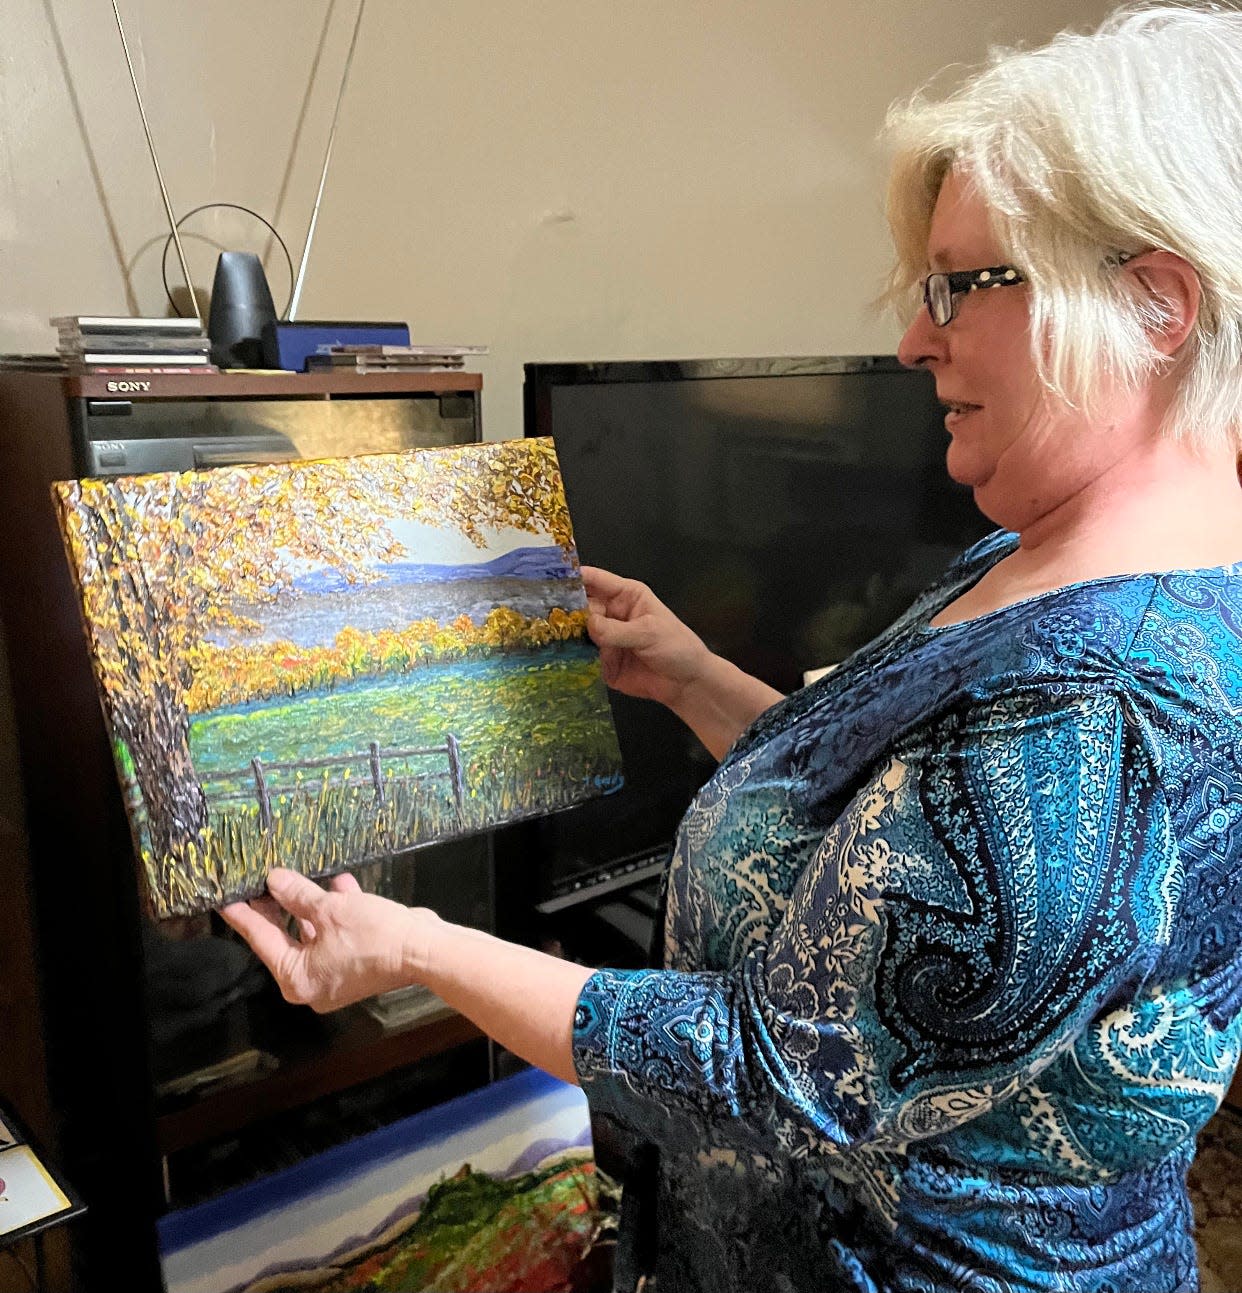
941, 290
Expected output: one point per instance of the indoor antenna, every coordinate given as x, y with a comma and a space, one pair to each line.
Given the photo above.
323, 174
155, 161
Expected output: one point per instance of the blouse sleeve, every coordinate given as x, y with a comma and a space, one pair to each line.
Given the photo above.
985, 893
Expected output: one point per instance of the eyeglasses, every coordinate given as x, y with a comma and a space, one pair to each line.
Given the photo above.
940, 291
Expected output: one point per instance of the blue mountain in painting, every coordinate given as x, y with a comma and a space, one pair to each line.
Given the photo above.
521, 563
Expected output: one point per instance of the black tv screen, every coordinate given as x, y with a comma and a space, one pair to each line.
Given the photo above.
786, 509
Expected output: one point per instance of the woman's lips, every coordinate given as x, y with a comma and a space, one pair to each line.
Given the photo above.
956, 412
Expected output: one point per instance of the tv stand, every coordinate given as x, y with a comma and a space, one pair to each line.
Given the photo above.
144, 1111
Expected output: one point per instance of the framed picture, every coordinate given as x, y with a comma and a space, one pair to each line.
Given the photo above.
318, 664
32, 1196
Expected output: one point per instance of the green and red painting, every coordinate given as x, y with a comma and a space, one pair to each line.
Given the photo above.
496, 1190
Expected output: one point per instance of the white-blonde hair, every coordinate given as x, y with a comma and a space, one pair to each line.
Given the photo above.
1121, 141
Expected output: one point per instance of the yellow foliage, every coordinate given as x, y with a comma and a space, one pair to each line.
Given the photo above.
225, 676
161, 560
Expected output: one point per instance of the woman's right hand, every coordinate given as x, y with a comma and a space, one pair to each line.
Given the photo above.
645, 650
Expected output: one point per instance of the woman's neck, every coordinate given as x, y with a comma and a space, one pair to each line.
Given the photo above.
1170, 509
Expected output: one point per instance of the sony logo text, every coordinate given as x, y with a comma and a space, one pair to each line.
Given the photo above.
114, 387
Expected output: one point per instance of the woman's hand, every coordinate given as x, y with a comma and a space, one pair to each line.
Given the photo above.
352, 944
645, 650
355, 944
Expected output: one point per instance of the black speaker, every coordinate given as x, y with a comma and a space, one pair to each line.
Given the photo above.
241, 303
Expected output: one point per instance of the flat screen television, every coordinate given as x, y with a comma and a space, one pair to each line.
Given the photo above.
786, 509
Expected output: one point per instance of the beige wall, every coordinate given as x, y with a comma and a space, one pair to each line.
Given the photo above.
562, 179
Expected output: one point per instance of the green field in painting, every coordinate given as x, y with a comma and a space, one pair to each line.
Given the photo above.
534, 733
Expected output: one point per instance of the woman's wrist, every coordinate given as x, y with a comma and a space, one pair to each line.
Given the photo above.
418, 949
720, 702
694, 680
521, 997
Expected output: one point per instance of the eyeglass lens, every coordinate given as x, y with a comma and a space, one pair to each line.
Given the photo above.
939, 299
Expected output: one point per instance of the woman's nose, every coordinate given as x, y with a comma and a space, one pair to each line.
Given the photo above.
923, 341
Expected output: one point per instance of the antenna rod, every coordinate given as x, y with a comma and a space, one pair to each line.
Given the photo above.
323, 175
155, 161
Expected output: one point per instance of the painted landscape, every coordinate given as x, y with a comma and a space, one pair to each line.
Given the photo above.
541, 1231
495, 1189
318, 664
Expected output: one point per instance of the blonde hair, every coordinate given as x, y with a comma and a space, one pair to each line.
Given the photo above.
1121, 141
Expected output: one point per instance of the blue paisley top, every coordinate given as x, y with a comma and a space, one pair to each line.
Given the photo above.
954, 974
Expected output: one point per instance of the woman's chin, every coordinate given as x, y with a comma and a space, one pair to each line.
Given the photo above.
998, 504
967, 468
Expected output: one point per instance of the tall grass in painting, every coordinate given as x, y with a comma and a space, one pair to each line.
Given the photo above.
533, 731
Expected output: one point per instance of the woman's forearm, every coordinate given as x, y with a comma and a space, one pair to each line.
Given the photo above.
722, 703
522, 998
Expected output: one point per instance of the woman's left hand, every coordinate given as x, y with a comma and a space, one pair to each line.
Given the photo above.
351, 944
354, 944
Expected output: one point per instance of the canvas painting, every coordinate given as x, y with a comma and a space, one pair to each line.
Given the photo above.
496, 1189
318, 664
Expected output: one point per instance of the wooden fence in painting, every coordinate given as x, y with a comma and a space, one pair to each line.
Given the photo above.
373, 758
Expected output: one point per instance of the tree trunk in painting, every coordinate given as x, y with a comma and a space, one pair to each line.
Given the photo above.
159, 744
147, 705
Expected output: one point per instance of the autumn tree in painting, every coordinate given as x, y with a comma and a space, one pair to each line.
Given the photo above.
162, 559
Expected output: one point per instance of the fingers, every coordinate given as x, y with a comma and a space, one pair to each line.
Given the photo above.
270, 909
267, 940
299, 896
601, 583
630, 634
344, 883
609, 594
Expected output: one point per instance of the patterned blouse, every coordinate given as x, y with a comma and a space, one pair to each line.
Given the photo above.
954, 974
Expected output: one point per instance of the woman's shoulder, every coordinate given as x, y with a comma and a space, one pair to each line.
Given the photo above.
1167, 645
1100, 620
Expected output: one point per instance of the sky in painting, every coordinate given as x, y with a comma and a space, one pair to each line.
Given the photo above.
442, 545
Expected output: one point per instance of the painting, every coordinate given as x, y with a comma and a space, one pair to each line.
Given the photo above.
496, 1189
319, 664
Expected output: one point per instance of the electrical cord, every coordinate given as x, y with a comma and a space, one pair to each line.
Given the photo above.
234, 206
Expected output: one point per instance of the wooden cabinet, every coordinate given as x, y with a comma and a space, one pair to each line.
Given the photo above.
145, 1057
1234, 1095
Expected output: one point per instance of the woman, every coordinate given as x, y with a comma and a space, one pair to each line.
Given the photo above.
952, 960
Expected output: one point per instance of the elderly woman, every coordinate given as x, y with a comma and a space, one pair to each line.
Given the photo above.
952, 967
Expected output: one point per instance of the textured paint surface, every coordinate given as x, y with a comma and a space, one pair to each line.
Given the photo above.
494, 1190
319, 664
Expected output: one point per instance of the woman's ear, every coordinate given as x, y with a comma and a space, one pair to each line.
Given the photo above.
1172, 287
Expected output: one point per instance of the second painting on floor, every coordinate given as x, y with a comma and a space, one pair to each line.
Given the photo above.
318, 664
